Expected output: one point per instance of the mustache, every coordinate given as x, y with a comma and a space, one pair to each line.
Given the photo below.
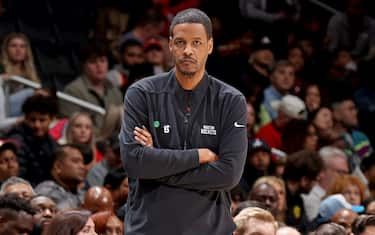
187, 59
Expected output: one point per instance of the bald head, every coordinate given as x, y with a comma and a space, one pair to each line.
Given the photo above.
98, 199
287, 231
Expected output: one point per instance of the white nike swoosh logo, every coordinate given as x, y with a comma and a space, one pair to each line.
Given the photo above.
236, 124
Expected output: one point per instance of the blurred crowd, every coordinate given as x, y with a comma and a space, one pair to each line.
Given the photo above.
308, 79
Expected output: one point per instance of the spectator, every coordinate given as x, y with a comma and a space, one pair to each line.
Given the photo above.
350, 186
334, 164
150, 24
282, 79
298, 135
251, 124
16, 215
364, 225
131, 54
345, 218
286, 230
301, 171
17, 186
116, 181
155, 56
45, 210
312, 96
9, 165
254, 220
267, 195
290, 107
112, 161
98, 199
68, 174
258, 72
330, 229
35, 144
17, 59
368, 169
369, 205
322, 119
107, 223
71, 222
297, 58
80, 131
258, 163
357, 143
353, 29
92, 86
279, 185
331, 205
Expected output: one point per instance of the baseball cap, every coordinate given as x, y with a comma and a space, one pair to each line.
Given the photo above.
258, 144
292, 106
329, 206
263, 43
152, 44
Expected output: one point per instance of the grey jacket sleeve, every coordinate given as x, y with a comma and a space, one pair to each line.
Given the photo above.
144, 162
225, 173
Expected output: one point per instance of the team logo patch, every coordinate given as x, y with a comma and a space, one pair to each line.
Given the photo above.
208, 130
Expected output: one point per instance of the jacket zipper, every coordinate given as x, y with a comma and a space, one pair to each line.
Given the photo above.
186, 125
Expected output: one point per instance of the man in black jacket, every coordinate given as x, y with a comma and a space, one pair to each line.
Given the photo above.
180, 183
36, 145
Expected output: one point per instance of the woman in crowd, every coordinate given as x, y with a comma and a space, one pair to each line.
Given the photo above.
71, 223
298, 135
312, 96
80, 131
350, 186
107, 223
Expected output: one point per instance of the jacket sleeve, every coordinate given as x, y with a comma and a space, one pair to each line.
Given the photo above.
144, 162
225, 173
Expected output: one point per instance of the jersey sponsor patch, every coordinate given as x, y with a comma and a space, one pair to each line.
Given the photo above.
208, 130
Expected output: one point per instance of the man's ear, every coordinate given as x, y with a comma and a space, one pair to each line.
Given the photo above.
210, 45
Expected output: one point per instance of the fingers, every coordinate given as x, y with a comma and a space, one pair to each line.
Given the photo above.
142, 136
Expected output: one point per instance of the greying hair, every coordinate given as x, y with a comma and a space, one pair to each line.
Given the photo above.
192, 15
12, 181
329, 152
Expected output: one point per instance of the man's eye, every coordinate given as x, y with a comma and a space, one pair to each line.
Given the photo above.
197, 43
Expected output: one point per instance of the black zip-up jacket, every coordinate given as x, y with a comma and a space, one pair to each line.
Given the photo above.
170, 192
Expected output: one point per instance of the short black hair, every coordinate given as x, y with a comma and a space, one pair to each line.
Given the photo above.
363, 221
192, 15
40, 104
60, 153
92, 50
114, 178
12, 202
131, 42
303, 163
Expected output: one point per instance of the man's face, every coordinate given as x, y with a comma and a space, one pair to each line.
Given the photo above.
38, 123
133, 55
267, 195
22, 225
45, 210
346, 113
345, 218
260, 160
190, 48
283, 78
96, 69
72, 168
259, 227
21, 190
8, 164
263, 57
120, 195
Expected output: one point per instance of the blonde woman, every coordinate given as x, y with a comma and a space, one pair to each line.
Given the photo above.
80, 131
16, 59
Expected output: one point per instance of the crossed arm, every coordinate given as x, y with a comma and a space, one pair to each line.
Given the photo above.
192, 169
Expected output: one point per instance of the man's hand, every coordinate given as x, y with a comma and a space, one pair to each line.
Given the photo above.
143, 136
206, 156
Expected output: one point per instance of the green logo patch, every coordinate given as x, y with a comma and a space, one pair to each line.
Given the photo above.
156, 124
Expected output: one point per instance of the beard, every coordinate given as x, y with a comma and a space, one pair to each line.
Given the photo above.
188, 74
